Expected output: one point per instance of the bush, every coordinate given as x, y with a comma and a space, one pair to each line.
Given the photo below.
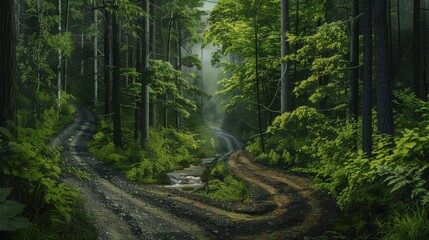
222, 186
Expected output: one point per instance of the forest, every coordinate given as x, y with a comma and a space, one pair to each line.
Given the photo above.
214, 119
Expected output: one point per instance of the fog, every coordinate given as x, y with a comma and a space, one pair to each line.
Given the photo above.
211, 109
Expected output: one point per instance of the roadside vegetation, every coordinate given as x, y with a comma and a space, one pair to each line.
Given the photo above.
221, 185
169, 149
34, 203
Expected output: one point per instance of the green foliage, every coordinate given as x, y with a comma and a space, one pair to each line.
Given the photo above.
409, 223
290, 136
365, 188
166, 79
10, 212
222, 185
61, 42
324, 52
169, 149
81, 227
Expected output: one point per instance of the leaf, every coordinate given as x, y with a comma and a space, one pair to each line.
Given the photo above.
410, 145
6, 133
9, 212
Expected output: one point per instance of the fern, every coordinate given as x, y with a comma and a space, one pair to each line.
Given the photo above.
9, 212
412, 177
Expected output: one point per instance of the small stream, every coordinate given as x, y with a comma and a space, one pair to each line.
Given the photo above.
189, 179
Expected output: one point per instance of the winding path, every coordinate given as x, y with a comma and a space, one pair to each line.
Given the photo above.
281, 205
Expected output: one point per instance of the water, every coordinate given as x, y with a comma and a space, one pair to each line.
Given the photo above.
189, 179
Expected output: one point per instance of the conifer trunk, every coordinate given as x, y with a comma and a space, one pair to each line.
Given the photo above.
383, 70
285, 79
367, 79
107, 63
116, 88
354, 84
7, 65
416, 48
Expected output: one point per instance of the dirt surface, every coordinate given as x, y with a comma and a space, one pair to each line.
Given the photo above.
281, 205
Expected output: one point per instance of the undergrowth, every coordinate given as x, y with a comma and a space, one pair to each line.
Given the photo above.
221, 185
368, 189
31, 168
169, 149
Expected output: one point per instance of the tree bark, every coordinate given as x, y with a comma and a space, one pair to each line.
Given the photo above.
95, 56
60, 59
261, 135
383, 70
65, 62
116, 89
153, 54
107, 63
170, 24
354, 83
416, 48
7, 65
286, 85
367, 79
179, 115
144, 109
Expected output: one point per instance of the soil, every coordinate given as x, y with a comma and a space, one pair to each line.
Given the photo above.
281, 205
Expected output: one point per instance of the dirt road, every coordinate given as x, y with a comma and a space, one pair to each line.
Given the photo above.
281, 205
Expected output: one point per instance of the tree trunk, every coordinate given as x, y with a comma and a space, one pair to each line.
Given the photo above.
116, 89
153, 54
398, 15
144, 109
66, 29
7, 65
107, 63
367, 79
60, 59
95, 57
261, 135
354, 83
286, 91
179, 115
127, 57
416, 48
383, 73
170, 23
295, 65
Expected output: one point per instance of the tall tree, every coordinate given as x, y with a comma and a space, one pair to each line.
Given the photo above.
367, 78
116, 87
261, 135
153, 54
144, 109
286, 85
383, 70
416, 48
179, 114
354, 83
107, 62
7, 64
60, 56
95, 55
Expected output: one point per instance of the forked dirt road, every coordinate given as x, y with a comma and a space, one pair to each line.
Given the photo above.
281, 205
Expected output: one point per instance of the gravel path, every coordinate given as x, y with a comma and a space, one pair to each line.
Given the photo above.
281, 205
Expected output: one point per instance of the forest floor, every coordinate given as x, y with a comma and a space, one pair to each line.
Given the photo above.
281, 205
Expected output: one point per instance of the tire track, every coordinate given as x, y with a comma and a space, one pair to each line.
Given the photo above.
119, 214
281, 206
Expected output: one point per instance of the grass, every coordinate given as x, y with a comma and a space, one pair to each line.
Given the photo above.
409, 223
221, 185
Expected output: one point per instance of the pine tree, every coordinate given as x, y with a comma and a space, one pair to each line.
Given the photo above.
7, 64
383, 70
